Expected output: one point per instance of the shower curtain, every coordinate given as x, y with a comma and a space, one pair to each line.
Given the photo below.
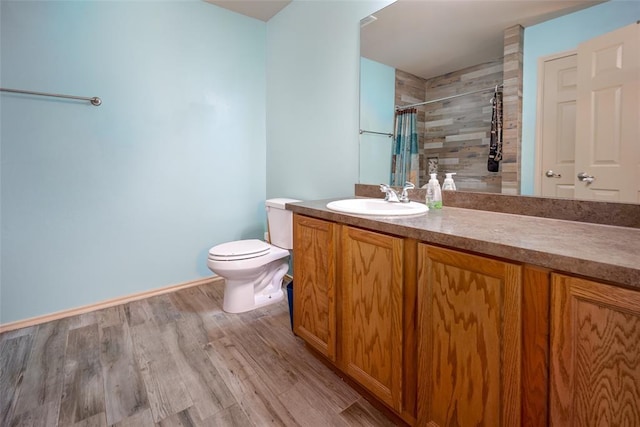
404, 155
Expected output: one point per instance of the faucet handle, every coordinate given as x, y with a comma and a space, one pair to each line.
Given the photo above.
404, 197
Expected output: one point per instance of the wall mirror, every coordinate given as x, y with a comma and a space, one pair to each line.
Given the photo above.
457, 47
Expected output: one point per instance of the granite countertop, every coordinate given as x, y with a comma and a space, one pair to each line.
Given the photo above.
602, 252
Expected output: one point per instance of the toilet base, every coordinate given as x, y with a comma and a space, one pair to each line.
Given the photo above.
243, 294
264, 300
231, 304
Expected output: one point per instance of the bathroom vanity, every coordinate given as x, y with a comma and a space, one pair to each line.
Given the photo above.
470, 317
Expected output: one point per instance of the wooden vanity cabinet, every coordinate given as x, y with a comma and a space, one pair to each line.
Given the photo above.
355, 303
535, 346
315, 244
444, 337
371, 297
470, 339
595, 354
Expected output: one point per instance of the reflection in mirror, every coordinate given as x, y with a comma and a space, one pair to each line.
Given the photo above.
583, 34
454, 134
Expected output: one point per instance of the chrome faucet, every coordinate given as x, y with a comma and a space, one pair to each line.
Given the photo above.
390, 193
392, 196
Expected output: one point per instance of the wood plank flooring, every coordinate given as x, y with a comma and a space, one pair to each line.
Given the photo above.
172, 360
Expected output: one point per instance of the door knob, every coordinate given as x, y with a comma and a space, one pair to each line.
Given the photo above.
584, 177
552, 174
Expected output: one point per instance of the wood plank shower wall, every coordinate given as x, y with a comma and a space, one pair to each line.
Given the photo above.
456, 132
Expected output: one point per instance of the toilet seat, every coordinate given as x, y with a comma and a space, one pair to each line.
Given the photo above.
239, 250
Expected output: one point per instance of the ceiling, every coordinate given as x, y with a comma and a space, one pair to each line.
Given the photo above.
429, 38
258, 9
409, 34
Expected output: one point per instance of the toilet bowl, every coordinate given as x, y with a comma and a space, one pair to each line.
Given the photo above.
253, 270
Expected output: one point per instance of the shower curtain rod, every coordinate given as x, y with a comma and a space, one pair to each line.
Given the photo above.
93, 100
377, 133
404, 107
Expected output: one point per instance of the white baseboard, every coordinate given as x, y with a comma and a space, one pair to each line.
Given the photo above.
104, 304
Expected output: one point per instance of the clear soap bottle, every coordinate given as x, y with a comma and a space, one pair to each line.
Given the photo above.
434, 193
448, 183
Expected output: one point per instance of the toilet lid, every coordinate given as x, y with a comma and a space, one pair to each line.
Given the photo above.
240, 249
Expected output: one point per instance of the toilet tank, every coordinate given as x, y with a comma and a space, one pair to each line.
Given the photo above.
280, 222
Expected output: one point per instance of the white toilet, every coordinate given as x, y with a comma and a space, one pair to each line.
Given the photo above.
253, 270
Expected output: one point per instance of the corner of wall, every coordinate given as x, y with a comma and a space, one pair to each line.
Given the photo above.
512, 109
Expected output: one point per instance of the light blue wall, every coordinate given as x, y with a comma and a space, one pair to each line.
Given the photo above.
377, 98
558, 35
312, 98
102, 202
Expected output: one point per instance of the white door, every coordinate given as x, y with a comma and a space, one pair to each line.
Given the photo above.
589, 120
557, 126
608, 117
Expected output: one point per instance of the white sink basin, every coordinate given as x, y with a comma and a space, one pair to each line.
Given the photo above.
376, 207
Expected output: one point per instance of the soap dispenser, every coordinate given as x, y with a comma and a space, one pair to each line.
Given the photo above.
434, 193
448, 183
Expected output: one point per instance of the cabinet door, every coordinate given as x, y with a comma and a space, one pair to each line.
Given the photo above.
371, 315
595, 354
469, 339
314, 270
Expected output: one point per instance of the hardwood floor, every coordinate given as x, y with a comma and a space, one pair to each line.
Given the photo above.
172, 360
